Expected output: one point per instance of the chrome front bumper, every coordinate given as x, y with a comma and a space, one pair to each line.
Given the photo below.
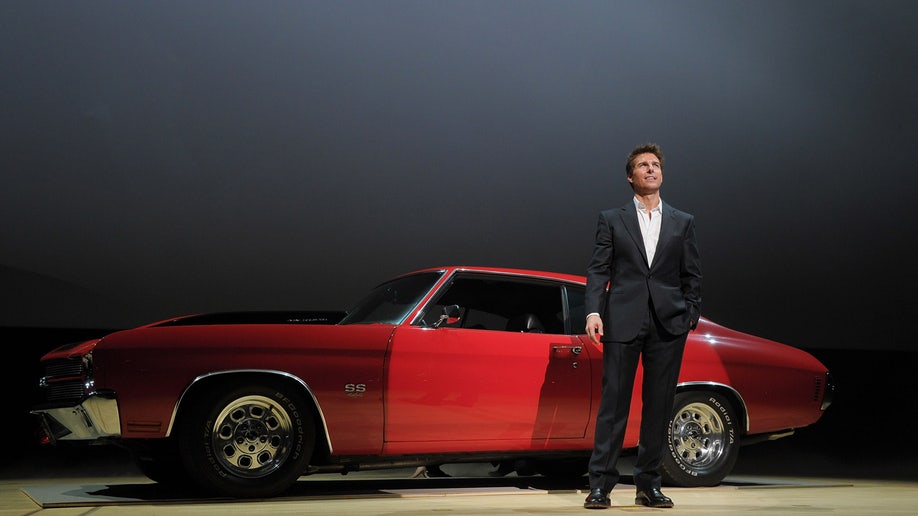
95, 417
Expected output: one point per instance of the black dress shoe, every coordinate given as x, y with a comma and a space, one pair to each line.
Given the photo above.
652, 498
598, 499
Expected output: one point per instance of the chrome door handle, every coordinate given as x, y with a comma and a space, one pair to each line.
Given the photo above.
574, 350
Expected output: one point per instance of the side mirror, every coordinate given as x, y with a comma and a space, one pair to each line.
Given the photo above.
451, 315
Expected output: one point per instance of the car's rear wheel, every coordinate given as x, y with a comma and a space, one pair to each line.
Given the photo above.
703, 443
246, 442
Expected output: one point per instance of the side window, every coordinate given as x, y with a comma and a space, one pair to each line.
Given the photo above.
574, 296
501, 304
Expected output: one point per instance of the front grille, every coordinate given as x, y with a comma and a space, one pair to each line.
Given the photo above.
64, 367
65, 391
64, 380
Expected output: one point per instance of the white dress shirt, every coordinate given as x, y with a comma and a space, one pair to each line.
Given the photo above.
650, 227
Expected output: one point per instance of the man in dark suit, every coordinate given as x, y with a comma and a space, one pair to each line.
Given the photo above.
643, 295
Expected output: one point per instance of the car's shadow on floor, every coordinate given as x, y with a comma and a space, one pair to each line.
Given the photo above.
312, 487
318, 487
77, 492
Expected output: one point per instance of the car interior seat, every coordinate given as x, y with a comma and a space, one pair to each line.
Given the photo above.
525, 323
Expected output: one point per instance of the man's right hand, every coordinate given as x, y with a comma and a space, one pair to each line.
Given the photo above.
594, 328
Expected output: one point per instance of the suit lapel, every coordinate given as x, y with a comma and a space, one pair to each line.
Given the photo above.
629, 218
667, 227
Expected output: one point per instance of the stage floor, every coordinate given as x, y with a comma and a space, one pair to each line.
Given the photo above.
394, 492
799, 475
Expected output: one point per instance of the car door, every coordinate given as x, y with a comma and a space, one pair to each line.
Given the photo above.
506, 372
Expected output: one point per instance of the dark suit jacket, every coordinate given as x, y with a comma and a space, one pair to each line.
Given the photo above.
672, 282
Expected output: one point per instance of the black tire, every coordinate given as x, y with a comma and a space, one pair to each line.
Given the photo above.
252, 441
702, 440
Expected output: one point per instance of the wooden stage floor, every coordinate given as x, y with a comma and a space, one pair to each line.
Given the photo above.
770, 479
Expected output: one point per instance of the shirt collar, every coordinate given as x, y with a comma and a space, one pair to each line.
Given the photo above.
643, 209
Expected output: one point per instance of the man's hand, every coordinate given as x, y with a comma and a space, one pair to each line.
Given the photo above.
594, 328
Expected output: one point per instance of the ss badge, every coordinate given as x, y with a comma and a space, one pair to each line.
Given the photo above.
355, 389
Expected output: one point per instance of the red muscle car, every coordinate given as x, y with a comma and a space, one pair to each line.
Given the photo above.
443, 365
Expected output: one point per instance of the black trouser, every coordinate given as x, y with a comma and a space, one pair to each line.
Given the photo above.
661, 356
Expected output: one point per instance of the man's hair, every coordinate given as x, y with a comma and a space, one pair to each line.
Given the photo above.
652, 148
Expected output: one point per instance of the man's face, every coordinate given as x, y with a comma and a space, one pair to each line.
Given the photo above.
647, 175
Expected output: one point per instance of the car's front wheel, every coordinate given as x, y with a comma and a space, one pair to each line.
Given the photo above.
702, 440
246, 442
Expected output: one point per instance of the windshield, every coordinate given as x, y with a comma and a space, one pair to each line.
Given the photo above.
392, 301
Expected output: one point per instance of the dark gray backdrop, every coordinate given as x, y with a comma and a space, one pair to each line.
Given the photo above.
167, 157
